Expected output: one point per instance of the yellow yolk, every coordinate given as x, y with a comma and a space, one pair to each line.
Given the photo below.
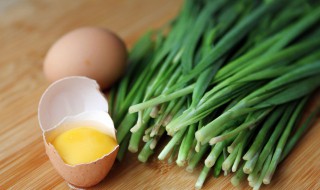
83, 145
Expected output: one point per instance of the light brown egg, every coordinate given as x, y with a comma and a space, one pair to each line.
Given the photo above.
69, 103
96, 53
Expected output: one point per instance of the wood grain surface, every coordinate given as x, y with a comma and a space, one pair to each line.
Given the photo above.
27, 29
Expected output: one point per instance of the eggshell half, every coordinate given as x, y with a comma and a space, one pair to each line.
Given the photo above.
66, 103
88, 174
84, 175
68, 97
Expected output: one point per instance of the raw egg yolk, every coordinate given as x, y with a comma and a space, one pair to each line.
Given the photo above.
83, 145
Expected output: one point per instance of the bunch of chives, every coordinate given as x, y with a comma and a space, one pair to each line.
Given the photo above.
226, 76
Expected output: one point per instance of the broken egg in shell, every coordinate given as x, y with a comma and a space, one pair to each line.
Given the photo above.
78, 133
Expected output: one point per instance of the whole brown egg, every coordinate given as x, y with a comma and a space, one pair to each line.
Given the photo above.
93, 52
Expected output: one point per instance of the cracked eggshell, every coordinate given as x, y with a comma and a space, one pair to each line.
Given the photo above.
64, 105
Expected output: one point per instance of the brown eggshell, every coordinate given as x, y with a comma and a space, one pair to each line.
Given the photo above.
82, 175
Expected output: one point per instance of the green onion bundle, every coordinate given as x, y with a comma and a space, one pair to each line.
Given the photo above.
227, 82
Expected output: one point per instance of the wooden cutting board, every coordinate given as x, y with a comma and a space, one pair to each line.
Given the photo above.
27, 29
